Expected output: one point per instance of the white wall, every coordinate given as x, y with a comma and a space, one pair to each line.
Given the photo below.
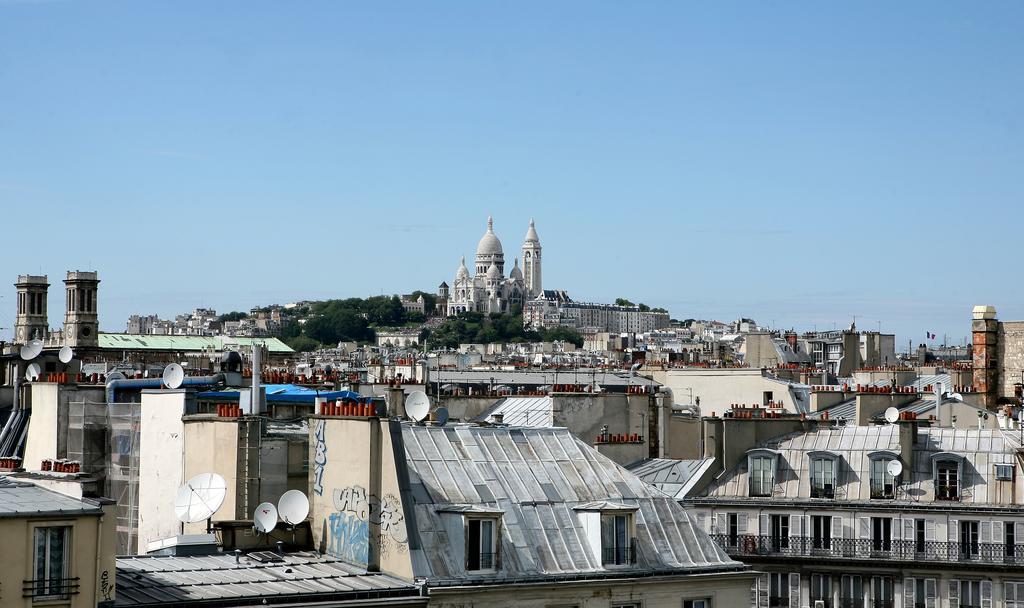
41, 442
161, 464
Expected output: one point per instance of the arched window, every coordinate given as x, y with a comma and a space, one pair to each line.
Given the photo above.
824, 468
948, 474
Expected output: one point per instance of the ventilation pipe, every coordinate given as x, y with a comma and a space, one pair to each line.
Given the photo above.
136, 384
259, 403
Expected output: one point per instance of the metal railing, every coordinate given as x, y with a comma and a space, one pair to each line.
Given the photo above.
619, 556
50, 588
483, 561
876, 549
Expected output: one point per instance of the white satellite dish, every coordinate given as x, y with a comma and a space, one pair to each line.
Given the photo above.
417, 406
200, 497
441, 416
115, 376
264, 519
173, 376
891, 414
895, 467
293, 507
31, 350
33, 372
65, 355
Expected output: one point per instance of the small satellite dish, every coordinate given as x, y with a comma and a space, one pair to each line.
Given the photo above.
65, 355
33, 372
895, 467
891, 414
200, 497
417, 406
264, 519
441, 416
31, 350
173, 376
293, 507
115, 376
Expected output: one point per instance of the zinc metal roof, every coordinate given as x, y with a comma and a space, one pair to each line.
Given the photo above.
673, 477
537, 477
981, 449
522, 411
22, 499
218, 579
186, 343
611, 378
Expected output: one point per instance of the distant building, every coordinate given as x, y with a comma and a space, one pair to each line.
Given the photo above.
488, 290
556, 309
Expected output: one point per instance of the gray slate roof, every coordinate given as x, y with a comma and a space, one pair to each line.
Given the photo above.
609, 378
537, 477
981, 449
673, 477
218, 579
521, 411
21, 499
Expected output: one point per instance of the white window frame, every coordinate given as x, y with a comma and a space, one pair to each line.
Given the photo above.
828, 475
492, 539
40, 583
624, 550
762, 477
879, 462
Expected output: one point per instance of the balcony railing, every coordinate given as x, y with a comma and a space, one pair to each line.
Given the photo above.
619, 556
745, 545
50, 588
483, 561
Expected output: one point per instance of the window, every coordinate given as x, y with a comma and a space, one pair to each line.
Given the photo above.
851, 592
821, 589
767, 398
919, 536
1013, 594
778, 590
883, 485
701, 603
733, 526
1010, 541
881, 533
970, 594
780, 532
762, 475
823, 478
1004, 472
821, 531
481, 542
616, 539
51, 563
947, 475
881, 592
968, 539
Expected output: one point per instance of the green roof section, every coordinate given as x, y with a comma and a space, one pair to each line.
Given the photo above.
187, 343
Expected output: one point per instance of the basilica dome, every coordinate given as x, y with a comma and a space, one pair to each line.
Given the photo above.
489, 245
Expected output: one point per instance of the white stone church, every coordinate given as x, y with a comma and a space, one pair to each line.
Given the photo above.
488, 290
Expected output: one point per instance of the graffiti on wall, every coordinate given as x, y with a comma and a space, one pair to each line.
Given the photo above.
355, 510
319, 459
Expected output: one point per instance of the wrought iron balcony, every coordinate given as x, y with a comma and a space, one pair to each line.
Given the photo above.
619, 556
745, 545
50, 588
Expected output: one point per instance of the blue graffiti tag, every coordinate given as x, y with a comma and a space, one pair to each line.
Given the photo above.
349, 538
320, 459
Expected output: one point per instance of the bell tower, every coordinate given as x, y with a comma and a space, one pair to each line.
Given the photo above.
81, 321
31, 322
531, 262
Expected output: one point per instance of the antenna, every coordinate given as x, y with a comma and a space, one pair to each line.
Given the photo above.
264, 519
31, 350
891, 414
894, 468
65, 355
33, 372
200, 497
293, 507
417, 406
441, 416
173, 376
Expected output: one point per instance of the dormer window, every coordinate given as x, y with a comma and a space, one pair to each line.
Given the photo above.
761, 465
947, 469
617, 548
883, 484
481, 543
823, 474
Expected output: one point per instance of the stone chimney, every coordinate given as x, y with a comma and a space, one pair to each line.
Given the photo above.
985, 341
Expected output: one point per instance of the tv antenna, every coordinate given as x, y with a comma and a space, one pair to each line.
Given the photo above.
264, 519
200, 498
173, 376
417, 406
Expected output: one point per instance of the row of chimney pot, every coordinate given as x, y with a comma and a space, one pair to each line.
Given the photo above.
61, 465
347, 408
619, 438
229, 410
10, 462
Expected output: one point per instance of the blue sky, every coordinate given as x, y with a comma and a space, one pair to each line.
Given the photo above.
794, 162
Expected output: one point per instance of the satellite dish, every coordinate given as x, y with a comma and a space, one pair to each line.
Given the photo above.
895, 467
33, 372
264, 519
441, 416
417, 406
115, 376
66, 354
200, 497
891, 414
31, 350
173, 376
293, 506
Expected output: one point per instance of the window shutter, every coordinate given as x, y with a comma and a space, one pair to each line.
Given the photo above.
954, 593
762, 591
837, 527
763, 530
986, 594
794, 590
986, 532
865, 527
931, 593
1018, 532
908, 592
741, 523
794, 525
721, 523
998, 533
953, 531
929, 530
1010, 595
908, 530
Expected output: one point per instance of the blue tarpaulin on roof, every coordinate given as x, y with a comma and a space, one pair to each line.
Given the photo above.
290, 393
